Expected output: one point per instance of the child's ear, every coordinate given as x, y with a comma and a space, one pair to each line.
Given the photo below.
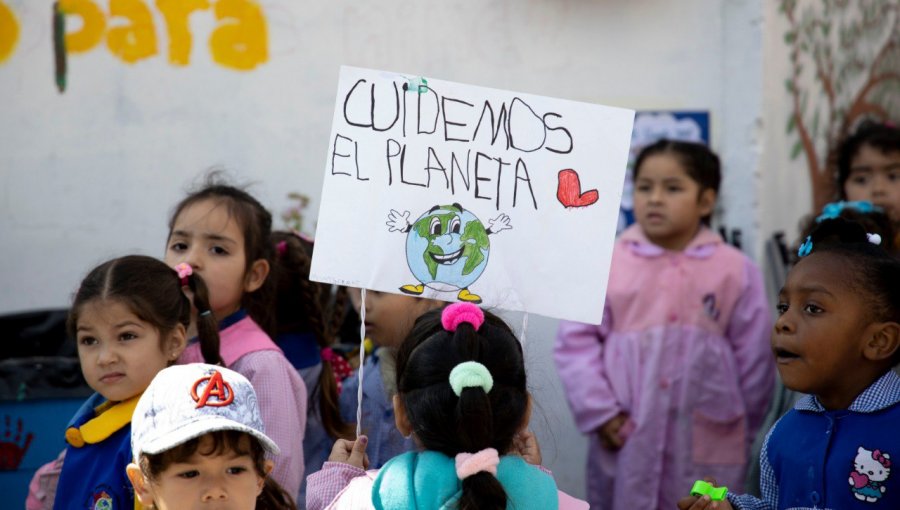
884, 341
140, 484
526, 418
256, 275
176, 343
401, 419
268, 466
707, 201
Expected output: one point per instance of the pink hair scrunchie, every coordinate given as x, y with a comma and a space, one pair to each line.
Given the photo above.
458, 313
468, 464
184, 270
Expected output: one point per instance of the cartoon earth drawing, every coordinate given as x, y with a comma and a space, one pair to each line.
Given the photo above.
447, 248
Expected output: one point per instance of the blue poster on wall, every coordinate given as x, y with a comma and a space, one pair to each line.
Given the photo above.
650, 126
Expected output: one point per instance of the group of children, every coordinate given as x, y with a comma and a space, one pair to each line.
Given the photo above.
216, 382
674, 384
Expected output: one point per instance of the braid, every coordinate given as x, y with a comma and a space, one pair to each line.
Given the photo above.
312, 298
300, 307
207, 325
338, 311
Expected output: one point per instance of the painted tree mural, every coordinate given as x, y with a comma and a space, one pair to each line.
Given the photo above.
845, 67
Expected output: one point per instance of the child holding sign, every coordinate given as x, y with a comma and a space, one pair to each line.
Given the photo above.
389, 318
461, 393
674, 383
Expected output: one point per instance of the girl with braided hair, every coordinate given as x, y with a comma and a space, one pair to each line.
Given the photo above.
307, 316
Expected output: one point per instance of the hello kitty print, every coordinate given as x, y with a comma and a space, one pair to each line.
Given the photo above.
871, 468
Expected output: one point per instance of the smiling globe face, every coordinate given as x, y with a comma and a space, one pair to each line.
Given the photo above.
447, 248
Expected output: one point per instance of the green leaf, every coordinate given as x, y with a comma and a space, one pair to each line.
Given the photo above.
791, 125
790, 37
798, 148
789, 85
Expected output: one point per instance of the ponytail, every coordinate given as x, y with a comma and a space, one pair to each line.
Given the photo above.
483, 412
480, 491
207, 325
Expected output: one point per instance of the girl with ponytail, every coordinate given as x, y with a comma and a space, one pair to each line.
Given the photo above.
462, 395
223, 233
129, 319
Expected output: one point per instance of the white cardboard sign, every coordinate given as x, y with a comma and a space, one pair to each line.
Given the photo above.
466, 193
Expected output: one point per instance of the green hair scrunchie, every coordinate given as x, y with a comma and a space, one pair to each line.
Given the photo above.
470, 374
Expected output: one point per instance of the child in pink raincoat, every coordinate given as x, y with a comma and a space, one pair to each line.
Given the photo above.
674, 383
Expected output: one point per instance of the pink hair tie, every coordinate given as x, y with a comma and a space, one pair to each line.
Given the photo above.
468, 464
184, 270
457, 313
281, 248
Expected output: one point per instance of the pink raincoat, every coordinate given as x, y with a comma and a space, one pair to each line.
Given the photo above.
684, 351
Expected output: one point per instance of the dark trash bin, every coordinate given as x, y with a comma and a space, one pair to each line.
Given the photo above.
41, 388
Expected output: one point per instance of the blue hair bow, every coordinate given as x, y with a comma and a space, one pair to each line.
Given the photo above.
833, 210
806, 247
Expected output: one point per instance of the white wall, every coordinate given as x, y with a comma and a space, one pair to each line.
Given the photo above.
93, 173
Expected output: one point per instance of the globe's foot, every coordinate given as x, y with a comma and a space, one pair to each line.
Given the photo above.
468, 297
414, 290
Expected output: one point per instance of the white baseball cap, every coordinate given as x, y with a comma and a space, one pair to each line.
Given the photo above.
184, 402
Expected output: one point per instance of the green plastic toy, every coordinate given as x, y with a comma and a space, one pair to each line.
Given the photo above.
703, 488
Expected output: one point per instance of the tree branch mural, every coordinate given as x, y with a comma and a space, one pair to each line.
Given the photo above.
845, 67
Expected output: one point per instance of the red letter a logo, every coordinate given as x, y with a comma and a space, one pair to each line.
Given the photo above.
216, 387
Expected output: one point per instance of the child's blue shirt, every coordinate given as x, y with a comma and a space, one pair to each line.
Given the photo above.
385, 441
845, 459
93, 473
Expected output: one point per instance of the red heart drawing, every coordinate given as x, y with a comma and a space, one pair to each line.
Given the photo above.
859, 481
569, 191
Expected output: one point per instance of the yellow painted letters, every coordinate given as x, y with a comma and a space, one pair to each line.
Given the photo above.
136, 40
176, 13
93, 25
9, 32
241, 42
